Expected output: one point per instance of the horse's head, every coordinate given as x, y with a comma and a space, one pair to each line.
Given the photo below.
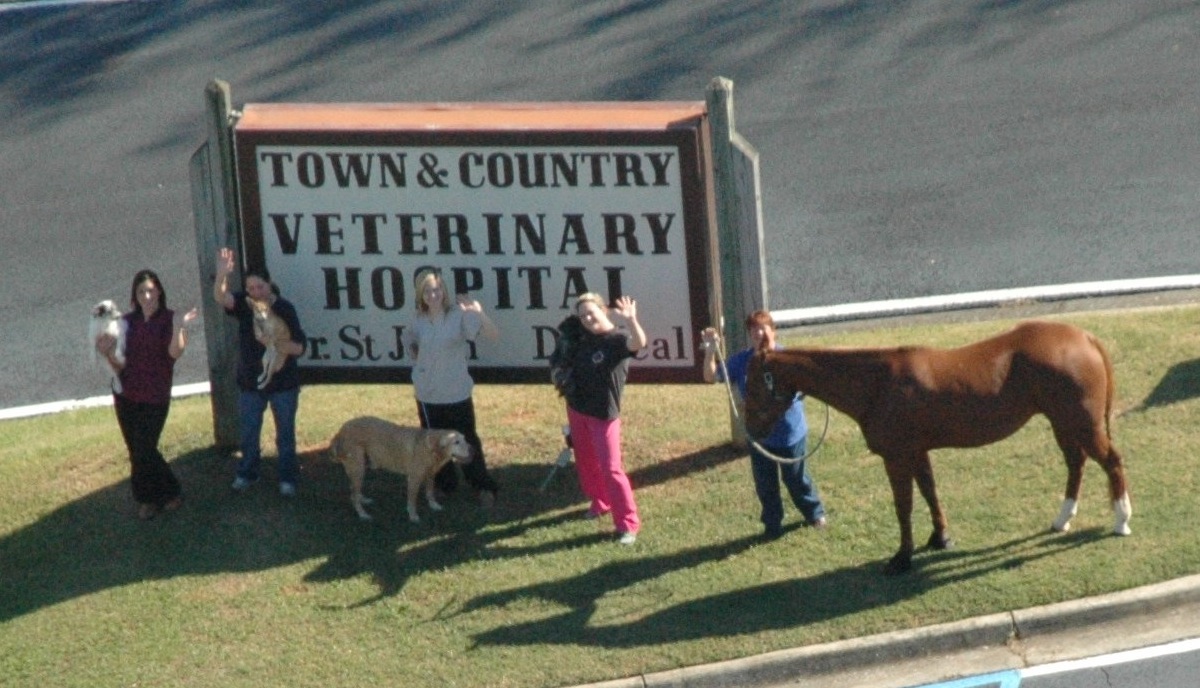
768, 396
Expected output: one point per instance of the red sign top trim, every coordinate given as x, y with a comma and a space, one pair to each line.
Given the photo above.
602, 116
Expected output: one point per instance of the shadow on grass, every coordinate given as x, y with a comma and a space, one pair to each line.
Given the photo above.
521, 508
95, 543
1181, 383
777, 605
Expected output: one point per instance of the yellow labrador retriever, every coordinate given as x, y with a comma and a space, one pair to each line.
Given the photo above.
415, 453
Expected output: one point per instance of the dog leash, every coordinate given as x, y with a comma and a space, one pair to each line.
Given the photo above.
564, 458
741, 423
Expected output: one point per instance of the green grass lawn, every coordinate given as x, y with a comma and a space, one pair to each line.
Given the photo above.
252, 590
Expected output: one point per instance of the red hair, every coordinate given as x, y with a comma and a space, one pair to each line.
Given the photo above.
760, 317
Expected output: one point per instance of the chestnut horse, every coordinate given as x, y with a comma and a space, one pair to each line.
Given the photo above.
910, 400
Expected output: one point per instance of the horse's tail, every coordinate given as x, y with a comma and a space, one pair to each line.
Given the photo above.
1110, 383
1117, 486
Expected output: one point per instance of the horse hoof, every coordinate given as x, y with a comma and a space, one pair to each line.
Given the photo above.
901, 563
939, 542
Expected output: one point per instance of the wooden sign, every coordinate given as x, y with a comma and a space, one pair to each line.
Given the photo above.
521, 206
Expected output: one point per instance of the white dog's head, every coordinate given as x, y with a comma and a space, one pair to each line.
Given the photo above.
106, 320
106, 310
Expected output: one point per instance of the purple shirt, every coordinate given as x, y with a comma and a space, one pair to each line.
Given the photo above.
149, 368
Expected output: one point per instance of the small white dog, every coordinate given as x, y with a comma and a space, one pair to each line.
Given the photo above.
106, 319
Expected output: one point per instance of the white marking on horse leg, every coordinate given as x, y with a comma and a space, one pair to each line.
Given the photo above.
1063, 523
1124, 510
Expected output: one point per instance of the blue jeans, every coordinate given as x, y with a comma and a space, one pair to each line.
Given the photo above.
251, 406
795, 477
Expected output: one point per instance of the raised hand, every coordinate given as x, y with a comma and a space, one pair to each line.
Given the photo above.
225, 261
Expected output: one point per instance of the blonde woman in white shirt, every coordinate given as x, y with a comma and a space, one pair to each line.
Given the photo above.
439, 342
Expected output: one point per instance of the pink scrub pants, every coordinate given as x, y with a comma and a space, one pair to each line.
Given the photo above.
597, 445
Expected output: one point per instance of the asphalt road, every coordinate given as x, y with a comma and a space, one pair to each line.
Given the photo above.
909, 148
1173, 671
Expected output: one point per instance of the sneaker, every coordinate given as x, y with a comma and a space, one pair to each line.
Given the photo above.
772, 533
240, 484
820, 523
287, 489
627, 538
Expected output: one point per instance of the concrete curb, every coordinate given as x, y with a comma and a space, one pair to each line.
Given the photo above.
33, 410
991, 631
1149, 600
982, 299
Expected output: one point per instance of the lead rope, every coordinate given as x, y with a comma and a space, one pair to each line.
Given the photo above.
754, 443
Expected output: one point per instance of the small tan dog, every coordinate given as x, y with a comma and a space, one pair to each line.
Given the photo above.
270, 326
415, 453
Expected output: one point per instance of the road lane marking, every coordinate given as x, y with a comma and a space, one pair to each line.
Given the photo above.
43, 4
1115, 658
1000, 679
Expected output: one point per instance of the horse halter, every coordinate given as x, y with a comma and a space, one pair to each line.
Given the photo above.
769, 383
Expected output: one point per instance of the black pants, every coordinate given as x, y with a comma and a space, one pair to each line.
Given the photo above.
142, 426
460, 417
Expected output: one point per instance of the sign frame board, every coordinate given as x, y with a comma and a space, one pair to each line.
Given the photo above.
522, 206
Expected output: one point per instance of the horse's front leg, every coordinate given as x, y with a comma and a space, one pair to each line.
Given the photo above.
899, 472
923, 473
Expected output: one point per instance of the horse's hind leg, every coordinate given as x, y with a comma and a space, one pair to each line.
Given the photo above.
1118, 490
1075, 456
923, 473
1100, 448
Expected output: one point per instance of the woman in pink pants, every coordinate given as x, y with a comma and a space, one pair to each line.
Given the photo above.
592, 379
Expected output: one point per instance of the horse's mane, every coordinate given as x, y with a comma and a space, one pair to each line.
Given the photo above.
858, 357
848, 379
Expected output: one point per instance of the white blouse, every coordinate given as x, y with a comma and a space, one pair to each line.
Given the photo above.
439, 374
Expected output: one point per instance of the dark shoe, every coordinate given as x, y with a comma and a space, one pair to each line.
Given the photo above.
146, 512
772, 533
173, 505
487, 499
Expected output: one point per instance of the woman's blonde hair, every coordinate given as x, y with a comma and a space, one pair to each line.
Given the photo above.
590, 297
425, 279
